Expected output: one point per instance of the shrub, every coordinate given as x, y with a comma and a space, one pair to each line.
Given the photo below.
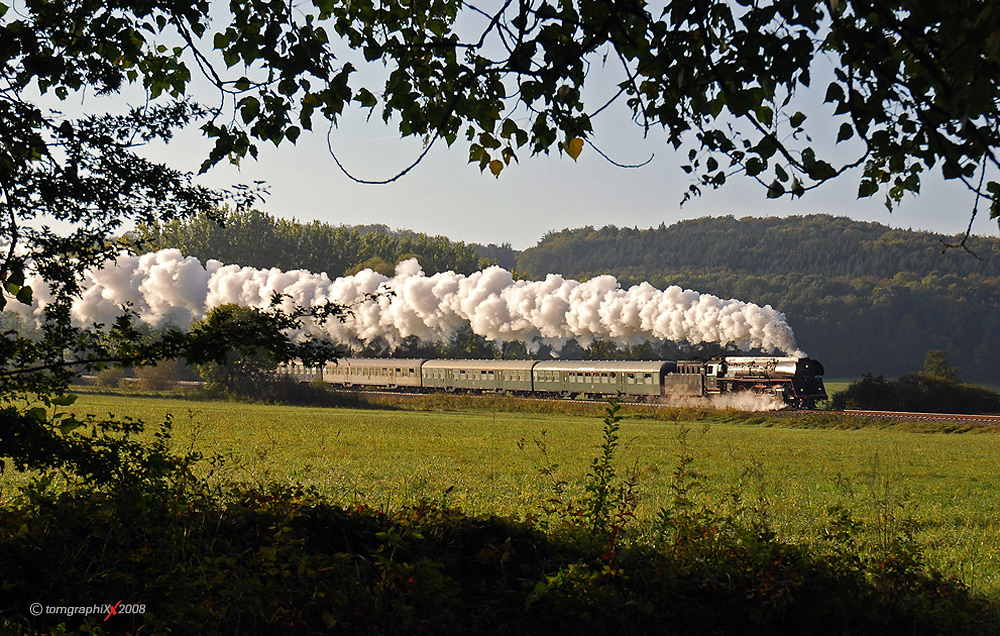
112, 377
917, 392
160, 376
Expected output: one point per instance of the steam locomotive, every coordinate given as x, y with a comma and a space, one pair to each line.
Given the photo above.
795, 382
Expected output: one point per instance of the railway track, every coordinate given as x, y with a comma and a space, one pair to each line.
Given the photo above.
900, 416
976, 420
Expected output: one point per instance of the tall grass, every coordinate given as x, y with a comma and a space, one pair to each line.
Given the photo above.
944, 486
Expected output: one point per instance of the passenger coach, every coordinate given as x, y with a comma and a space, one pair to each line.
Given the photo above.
494, 376
601, 379
385, 373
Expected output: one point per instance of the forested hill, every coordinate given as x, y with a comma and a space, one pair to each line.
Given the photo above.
818, 244
861, 297
256, 239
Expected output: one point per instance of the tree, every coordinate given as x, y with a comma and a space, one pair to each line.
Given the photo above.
936, 365
913, 86
244, 369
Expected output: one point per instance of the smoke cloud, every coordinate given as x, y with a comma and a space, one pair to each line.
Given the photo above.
166, 288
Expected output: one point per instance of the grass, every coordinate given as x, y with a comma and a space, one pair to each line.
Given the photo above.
488, 462
837, 385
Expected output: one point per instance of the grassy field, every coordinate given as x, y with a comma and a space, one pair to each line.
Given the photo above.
488, 462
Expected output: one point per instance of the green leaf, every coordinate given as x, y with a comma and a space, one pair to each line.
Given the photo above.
366, 98
509, 128
867, 188
476, 153
834, 93
249, 109
797, 119
69, 425
766, 147
488, 141
24, 295
764, 114
846, 132
15, 279
775, 190
821, 171
797, 189
67, 399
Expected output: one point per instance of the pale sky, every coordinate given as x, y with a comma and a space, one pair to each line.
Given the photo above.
446, 195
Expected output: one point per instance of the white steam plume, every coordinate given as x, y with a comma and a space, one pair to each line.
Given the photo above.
165, 288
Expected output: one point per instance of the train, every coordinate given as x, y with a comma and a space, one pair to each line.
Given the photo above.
794, 382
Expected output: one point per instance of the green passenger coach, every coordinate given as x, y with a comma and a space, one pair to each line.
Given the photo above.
500, 376
604, 379
388, 373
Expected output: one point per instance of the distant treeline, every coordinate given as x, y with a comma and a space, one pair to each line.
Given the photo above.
821, 245
861, 297
256, 239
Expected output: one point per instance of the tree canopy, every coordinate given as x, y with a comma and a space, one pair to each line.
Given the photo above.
909, 87
256, 239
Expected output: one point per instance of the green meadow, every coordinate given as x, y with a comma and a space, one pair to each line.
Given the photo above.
941, 485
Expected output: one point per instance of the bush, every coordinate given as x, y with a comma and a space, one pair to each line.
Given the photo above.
112, 377
283, 561
160, 376
917, 392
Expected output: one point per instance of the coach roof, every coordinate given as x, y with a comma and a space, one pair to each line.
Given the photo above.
513, 365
